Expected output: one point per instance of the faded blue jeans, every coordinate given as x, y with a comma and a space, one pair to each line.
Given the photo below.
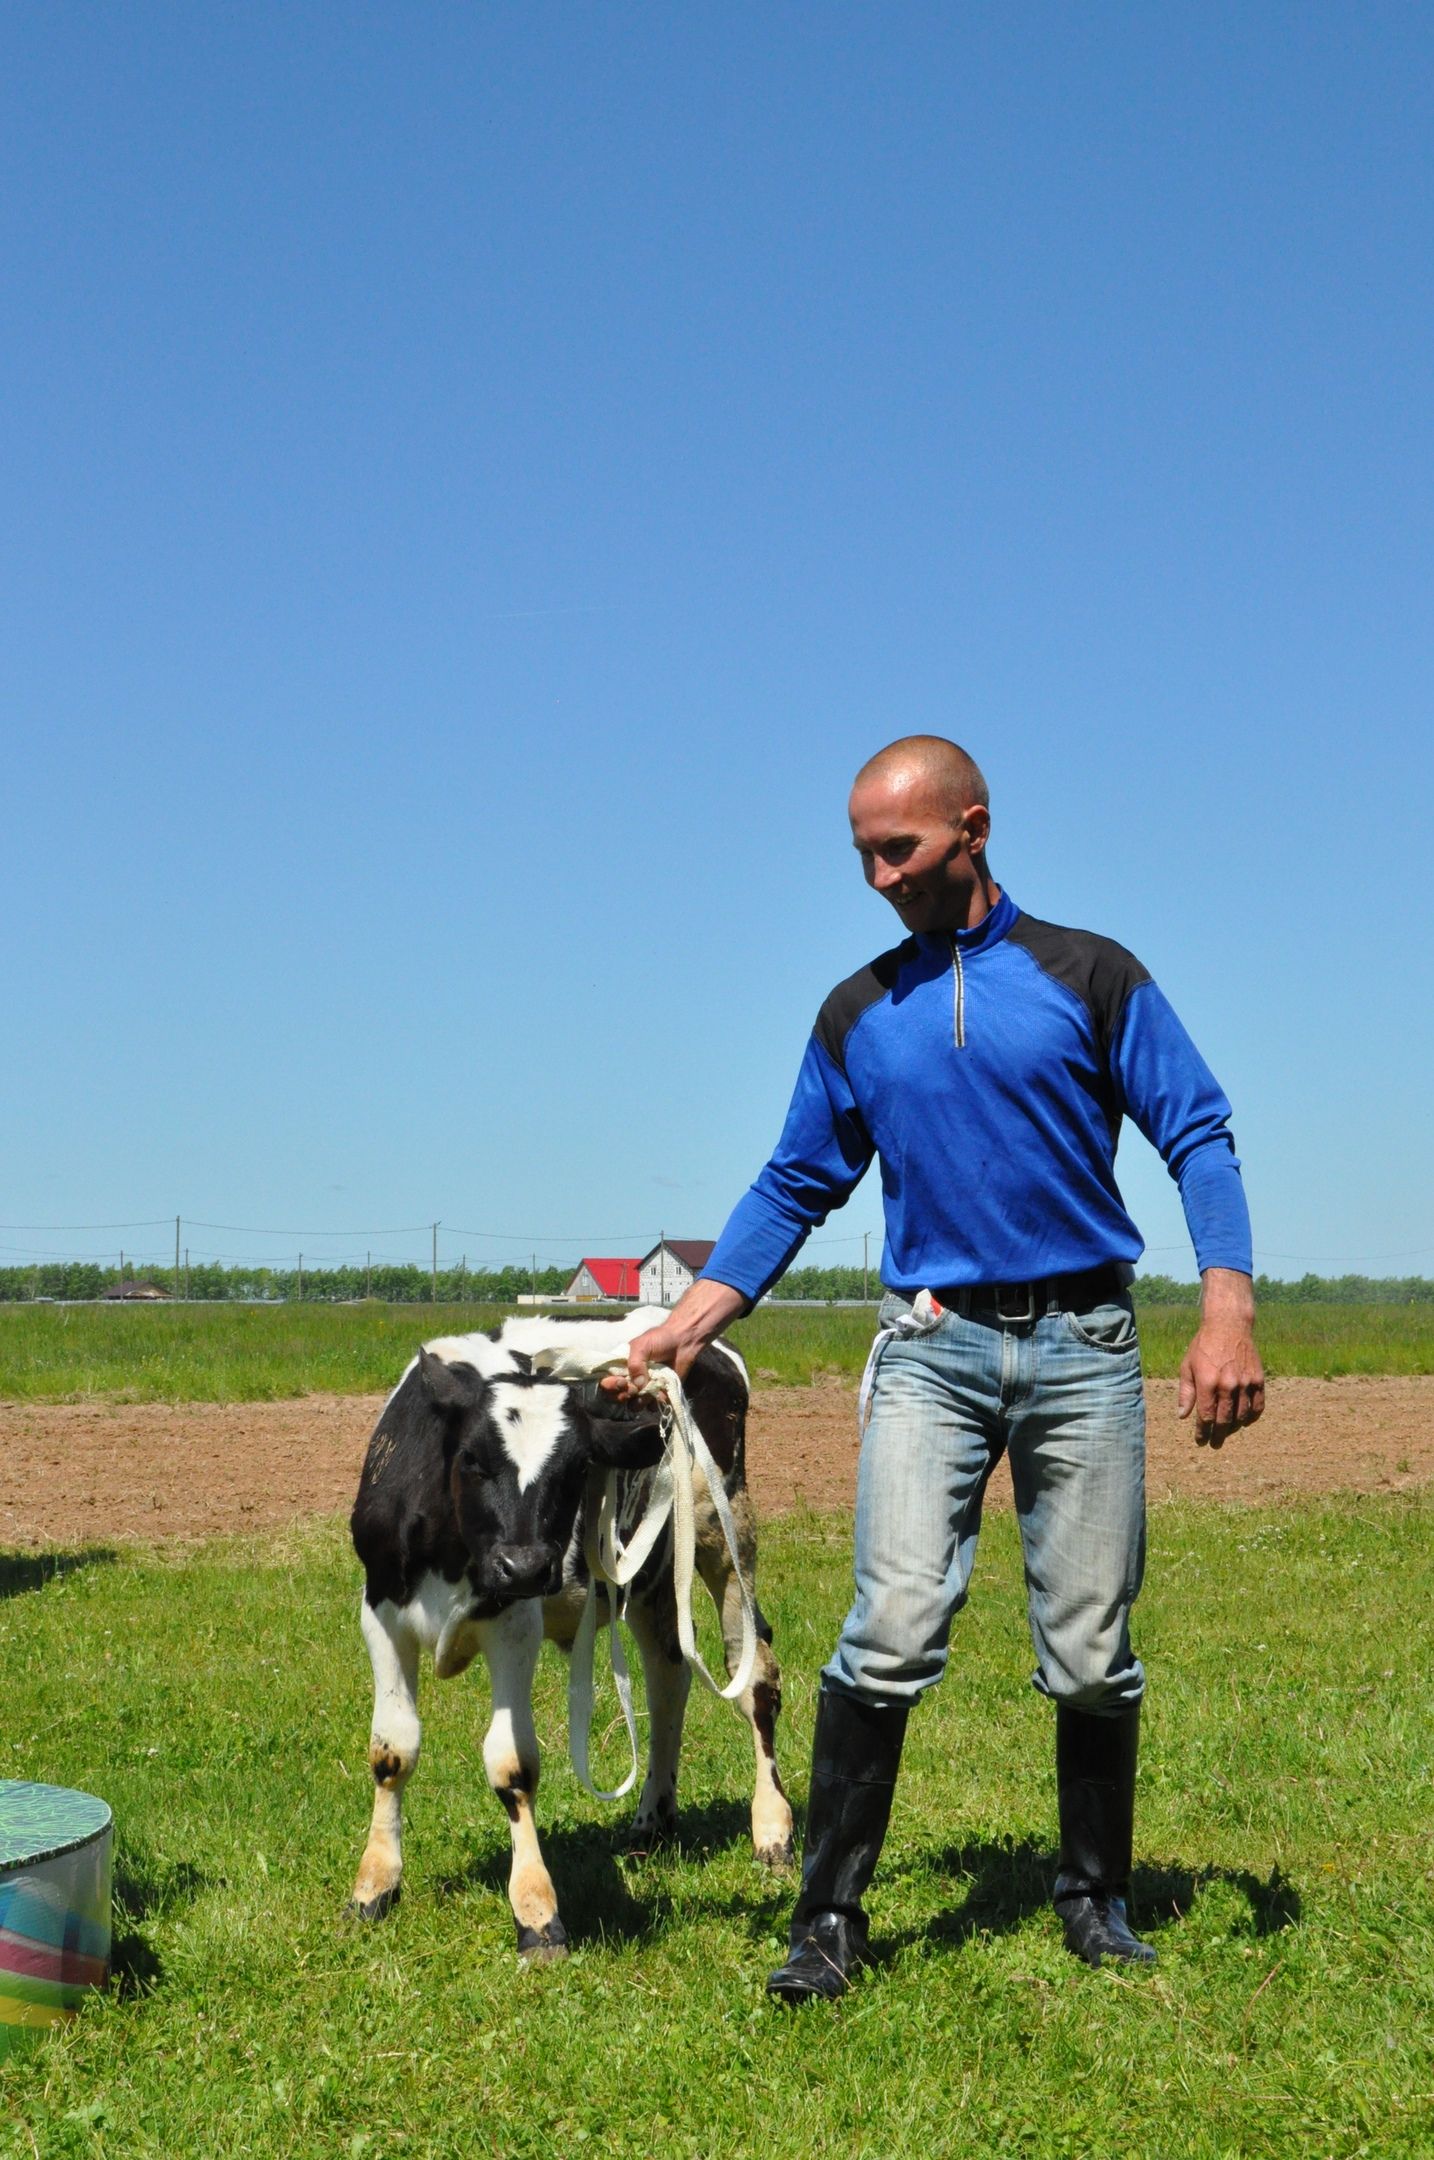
1062, 1396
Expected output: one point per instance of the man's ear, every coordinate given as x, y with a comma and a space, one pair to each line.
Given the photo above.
451, 1387
977, 821
627, 1443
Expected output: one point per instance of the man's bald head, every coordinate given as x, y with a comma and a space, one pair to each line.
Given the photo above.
929, 763
920, 821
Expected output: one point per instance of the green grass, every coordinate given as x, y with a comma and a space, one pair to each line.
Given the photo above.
215, 1353
220, 1702
247, 1353
1319, 1340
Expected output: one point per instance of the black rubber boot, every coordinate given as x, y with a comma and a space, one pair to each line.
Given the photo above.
1095, 1784
855, 1753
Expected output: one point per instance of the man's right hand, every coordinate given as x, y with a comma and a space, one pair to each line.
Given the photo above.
699, 1314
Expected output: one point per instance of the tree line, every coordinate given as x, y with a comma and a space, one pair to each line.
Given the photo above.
847, 1282
209, 1282
409, 1284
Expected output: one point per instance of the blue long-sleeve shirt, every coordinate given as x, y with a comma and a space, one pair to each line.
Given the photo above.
989, 1072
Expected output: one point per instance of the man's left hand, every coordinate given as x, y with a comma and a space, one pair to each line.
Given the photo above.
1221, 1376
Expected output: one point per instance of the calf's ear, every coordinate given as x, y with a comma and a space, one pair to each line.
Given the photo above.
452, 1387
630, 1443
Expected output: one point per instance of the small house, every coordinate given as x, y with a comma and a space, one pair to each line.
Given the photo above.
671, 1267
604, 1282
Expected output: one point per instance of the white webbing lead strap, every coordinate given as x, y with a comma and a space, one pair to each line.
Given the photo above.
580, 1694
614, 1564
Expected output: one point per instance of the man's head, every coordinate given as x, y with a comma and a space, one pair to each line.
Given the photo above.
920, 820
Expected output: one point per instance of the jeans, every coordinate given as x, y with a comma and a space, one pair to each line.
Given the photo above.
1062, 1394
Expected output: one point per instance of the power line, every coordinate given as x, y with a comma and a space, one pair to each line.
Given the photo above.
268, 1229
58, 1229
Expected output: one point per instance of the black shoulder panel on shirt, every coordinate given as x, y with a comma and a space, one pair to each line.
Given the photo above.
851, 998
1101, 973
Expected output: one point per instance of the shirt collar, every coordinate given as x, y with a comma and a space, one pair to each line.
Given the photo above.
990, 930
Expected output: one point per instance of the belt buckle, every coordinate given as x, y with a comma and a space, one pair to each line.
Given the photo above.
1006, 1310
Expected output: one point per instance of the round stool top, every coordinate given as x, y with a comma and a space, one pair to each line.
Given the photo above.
39, 1822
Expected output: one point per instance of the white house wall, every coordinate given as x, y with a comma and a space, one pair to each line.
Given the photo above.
664, 1279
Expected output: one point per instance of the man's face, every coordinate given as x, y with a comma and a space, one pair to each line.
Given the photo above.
913, 854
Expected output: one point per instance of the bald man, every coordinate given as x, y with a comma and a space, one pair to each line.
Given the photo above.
987, 1061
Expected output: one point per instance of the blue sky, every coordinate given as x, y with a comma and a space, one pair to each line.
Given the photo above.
478, 480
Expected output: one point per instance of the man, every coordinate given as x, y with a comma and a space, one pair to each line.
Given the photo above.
987, 1062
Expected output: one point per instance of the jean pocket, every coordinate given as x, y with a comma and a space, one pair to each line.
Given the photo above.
1109, 1326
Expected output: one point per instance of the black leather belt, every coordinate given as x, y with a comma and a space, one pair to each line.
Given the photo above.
1017, 1304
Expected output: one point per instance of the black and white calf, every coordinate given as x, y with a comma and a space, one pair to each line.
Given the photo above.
470, 1523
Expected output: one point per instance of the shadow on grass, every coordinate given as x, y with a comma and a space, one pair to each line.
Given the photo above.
143, 1891
1008, 1881
22, 1572
608, 1891
1165, 1894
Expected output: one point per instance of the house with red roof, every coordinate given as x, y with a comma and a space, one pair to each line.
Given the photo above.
605, 1282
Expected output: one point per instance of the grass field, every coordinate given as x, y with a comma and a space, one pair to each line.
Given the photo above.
246, 1353
220, 1702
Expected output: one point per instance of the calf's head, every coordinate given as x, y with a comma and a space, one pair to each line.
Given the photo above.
522, 1447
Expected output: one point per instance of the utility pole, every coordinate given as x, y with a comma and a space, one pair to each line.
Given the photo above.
301, 1275
368, 1274
533, 1275
434, 1299
176, 1256
865, 1285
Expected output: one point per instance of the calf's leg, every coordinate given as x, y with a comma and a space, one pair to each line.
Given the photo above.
761, 1700
510, 1645
392, 1754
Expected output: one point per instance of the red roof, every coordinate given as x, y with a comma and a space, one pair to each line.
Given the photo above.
615, 1278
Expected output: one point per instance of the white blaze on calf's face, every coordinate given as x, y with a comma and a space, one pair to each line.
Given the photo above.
530, 1422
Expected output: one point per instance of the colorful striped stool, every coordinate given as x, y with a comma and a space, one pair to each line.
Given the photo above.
56, 1849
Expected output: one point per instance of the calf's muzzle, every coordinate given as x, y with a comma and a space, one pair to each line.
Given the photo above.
518, 1571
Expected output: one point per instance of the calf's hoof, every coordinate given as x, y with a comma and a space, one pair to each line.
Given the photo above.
378, 1907
779, 1853
542, 1946
644, 1839
649, 1832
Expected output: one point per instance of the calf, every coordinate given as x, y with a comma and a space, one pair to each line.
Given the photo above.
477, 1492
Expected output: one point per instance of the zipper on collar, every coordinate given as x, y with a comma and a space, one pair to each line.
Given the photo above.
958, 997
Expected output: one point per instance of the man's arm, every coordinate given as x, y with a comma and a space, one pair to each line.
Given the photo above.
1221, 1377
1177, 1103
701, 1312
821, 1156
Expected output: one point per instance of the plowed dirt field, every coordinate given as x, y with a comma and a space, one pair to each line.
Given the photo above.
81, 1475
